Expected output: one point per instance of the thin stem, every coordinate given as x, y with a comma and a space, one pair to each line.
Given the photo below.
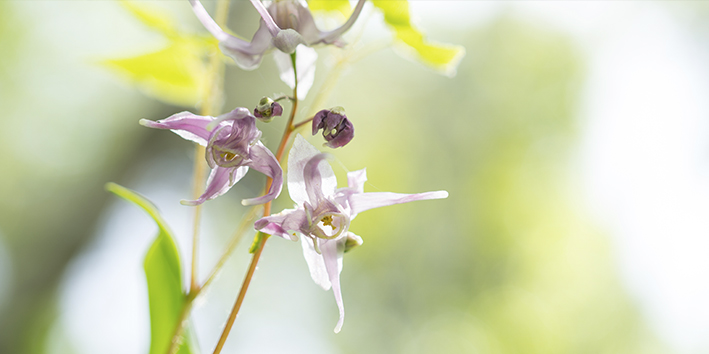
289, 124
240, 298
211, 100
246, 223
295, 127
266, 211
197, 185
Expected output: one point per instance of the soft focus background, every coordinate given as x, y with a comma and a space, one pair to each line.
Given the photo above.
574, 142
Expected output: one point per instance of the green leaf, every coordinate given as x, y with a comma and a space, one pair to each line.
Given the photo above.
440, 56
176, 74
164, 275
341, 6
151, 16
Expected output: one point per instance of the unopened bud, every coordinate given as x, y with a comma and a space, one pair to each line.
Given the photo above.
267, 109
352, 241
337, 129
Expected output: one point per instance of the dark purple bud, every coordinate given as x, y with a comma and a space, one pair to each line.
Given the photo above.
267, 109
337, 129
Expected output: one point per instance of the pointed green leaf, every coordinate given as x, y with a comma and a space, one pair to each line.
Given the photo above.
341, 6
175, 74
440, 56
151, 16
164, 275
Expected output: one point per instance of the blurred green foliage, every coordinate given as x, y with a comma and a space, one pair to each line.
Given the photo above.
174, 74
163, 271
508, 264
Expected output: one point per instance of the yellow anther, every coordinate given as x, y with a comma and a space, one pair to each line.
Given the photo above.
228, 155
327, 221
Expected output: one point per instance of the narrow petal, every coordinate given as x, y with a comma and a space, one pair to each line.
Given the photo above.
356, 179
247, 55
315, 262
365, 201
334, 35
262, 160
236, 113
208, 22
185, 124
299, 155
305, 59
283, 223
332, 252
220, 180
313, 181
266, 17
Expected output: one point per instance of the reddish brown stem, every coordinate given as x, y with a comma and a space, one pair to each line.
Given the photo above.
266, 212
240, 298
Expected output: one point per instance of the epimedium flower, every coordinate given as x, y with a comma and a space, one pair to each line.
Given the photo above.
323, 214
285, 25
232, 146
337, 129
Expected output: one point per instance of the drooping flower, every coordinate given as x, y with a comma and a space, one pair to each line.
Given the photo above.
285, 25
323, 214
233, 145
337, 129
267, 109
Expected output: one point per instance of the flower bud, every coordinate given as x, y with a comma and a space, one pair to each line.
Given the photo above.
267, 109
337, 129
352, 241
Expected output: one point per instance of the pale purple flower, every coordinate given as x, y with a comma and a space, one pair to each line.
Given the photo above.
323, 214
337, 129
233, 145
285, 24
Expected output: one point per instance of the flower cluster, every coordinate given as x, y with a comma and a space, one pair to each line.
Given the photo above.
323, 213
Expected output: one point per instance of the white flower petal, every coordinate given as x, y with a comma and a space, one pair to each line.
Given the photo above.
332, 251
356, 179
299, 155
316, 264
305, 62
365, 201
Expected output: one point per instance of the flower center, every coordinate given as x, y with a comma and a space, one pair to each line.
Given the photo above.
228, 156
329, 225
327, 221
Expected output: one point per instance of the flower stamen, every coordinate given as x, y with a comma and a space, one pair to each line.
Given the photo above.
327, 221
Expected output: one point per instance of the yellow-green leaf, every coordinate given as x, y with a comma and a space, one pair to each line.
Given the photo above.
440, 56
164, 275
341, 6
175, 74
151, 16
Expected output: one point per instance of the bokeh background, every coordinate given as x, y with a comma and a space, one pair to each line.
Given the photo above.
573, 141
